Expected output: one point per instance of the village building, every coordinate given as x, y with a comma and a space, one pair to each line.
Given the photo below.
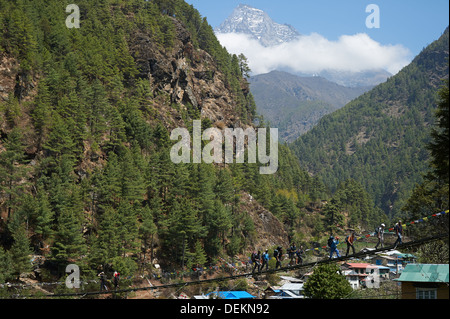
292, 288
365, 275
394, 259
226, 295
425, 281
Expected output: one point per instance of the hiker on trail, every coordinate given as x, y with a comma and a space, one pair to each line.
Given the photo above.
116, 279
332, 243
299, 253
399, 232
380, 235
102, 281
256, 260
350, 240
265, 260
291, 253
278, 254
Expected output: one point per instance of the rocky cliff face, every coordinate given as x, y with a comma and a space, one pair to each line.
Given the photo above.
269, 230
187, 78
8, 73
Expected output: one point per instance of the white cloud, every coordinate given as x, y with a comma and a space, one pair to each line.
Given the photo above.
314, 53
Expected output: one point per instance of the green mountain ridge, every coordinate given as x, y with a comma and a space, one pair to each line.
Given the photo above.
380, 138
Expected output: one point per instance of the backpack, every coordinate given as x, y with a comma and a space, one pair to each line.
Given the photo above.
346, 239
253, 257
275, 253
377, 230
330, 241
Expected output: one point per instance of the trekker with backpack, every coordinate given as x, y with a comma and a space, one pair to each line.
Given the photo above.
291, 253
116, 278
299, 254
102, 281
332, 243
265, 260
399, 231
379, 231
278, 254
350, 240
256, 260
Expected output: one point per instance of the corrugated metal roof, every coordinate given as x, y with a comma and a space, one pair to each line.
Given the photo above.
234, 295
241, 294
361, 265
226, 295
292, 286
425, 273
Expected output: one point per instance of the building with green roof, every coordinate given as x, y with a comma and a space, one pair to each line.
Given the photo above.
425, 281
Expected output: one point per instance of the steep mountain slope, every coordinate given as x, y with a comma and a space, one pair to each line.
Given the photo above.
85, 121
295, 104
379, 139
255, 22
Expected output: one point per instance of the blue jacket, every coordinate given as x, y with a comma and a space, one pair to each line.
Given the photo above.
334, 244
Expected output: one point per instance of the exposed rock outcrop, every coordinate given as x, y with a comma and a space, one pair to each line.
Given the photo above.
185, 77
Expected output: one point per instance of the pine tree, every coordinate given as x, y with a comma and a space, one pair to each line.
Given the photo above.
180, 229
147, 232
59, 140
218, 223
333, 216
12, 170
243, 64
432, 194
127, 228
20, 37
132, 167
224, 189
44, 216
199, 255
107, 189
204, 193
42, 112
20, 251
6, 265
106, 245
99, 109
69, 242
439, 147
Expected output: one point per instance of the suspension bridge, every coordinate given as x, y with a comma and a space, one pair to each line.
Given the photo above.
360, 254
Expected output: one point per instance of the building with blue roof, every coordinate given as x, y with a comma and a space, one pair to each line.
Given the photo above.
228, 295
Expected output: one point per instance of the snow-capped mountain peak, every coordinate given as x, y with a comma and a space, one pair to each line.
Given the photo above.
257, 23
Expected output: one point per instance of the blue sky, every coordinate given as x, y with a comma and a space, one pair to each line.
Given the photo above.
413, 24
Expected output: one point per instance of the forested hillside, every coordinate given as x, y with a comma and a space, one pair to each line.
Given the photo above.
295, 104
85, 118
380, 139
